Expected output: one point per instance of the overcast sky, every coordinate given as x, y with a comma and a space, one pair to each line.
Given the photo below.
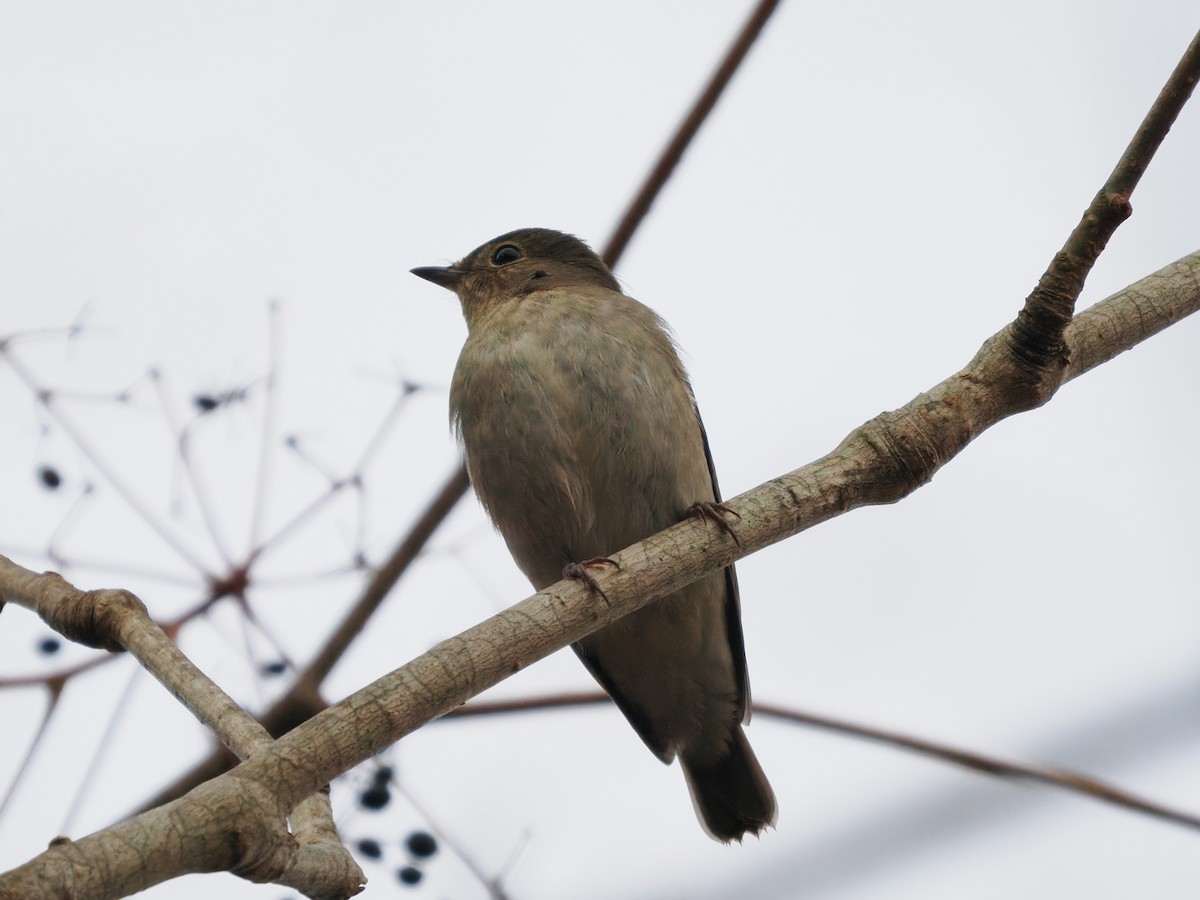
875, 195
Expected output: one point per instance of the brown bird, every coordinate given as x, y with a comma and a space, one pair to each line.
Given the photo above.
582, 437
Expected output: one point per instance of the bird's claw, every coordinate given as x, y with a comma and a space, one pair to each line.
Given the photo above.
717, 513
577, 571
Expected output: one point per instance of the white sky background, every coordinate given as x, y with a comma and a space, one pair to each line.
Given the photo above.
877, 192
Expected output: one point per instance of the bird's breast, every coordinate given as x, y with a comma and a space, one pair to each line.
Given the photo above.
579, 427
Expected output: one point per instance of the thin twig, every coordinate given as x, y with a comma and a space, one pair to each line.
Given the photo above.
375, 441
54, 688
385, 579
1072, 782
46, 399
100, 751
686, 133
266, 438
303, 698
493, 884
1037, 334
988, 765
191, 476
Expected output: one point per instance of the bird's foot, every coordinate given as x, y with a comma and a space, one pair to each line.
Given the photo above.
577, 571
717, 513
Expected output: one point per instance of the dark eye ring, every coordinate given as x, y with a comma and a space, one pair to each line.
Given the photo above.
506, 254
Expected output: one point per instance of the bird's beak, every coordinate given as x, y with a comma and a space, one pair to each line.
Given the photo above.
445, 276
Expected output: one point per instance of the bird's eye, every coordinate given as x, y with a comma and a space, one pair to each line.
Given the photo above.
506, 254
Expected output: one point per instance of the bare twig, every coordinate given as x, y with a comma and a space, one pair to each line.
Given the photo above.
385, 579
118, 620
1073, 782
270, 409
1036, 337
46, 399
686, 132
303, 698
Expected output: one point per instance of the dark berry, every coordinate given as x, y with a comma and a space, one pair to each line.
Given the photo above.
374, 798
409, 875
421, 844
369, 847
49, 645
206, 403
50, 478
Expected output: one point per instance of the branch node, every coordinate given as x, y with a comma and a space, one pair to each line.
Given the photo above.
91, 618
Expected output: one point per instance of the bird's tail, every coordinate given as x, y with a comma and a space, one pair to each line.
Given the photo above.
731, 794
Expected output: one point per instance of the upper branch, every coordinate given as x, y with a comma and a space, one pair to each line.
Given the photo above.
1037, 338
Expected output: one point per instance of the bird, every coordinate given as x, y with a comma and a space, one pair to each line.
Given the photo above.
582, 436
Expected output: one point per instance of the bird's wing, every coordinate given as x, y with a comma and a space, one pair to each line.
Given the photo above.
733, 598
